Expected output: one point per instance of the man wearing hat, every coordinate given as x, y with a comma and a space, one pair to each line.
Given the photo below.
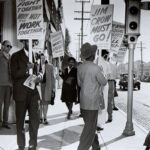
5, 82
90, 79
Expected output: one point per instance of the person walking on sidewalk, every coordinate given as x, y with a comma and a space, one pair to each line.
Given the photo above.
69, 87
47, 87
103, 63
25, 98
147, 142
90, 79
111, 83
5, 82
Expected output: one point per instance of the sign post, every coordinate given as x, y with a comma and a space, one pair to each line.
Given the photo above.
129, 130
133, 15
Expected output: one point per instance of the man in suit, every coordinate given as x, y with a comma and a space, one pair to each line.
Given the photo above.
25, 98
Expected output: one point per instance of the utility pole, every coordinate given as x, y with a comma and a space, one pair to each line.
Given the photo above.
79, 38
82, 17
141, 60
142, 65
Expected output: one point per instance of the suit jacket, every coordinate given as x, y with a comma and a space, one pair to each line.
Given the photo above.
91, 80
19, 62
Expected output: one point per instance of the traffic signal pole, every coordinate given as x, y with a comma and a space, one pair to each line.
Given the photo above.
132, 32
129, 130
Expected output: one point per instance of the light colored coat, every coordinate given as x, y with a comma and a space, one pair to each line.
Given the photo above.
90, 79
47, 87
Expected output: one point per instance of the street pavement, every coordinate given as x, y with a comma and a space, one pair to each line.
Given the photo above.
63, 134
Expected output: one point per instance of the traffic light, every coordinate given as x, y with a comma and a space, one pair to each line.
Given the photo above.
132, 19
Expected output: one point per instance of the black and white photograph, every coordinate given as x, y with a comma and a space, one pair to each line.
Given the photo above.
74, 74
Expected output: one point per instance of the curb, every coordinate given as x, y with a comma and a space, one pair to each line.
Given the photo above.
134, 122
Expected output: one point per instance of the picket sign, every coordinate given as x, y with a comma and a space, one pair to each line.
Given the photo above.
101, 25
29, 22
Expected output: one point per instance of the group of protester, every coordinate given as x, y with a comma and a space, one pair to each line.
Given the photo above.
90, 83
14, 71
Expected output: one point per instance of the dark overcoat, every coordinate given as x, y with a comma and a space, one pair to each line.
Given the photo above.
147, 140
69, 87
18, 71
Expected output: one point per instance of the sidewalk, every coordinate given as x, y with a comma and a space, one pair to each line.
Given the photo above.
63, 134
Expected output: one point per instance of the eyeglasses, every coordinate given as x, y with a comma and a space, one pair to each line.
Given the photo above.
8, 46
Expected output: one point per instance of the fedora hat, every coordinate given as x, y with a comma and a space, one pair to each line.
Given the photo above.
88, 50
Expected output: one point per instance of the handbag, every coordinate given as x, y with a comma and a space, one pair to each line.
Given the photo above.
52, 98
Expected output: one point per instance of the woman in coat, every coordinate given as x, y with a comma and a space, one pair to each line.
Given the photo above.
69, 87
47, 88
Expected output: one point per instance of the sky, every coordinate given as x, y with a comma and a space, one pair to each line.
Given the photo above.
74, 26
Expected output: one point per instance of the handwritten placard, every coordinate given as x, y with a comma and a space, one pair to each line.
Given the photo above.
57, 44
117, 36
29, 19
101, 25
120, 56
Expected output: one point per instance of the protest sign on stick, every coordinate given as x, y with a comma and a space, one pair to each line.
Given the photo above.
29, 19
116, 36
29, 14
57, 44
101, 25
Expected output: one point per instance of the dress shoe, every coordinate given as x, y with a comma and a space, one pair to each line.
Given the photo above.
80, 115
99, 129
32, 147
21, 148
109, 120
26, 121
6, 126
115, 108
147, 148
45, 122
68, 116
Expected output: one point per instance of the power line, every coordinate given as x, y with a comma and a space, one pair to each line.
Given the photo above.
82, 17
88, 20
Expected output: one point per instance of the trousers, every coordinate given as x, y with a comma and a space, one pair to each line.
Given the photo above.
89, 137
5, 95
31, 104
110, 98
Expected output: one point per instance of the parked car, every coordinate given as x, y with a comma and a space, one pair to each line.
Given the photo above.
123, 83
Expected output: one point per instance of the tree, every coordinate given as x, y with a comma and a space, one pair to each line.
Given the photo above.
67, 40
67, 53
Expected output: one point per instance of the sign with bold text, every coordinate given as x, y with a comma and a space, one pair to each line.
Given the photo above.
120, 56
29, 19
57, 44
101, 25
117, 35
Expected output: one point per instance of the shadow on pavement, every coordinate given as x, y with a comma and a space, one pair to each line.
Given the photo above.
57, 140
53, 120
113, 140
59, 118
12, 131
